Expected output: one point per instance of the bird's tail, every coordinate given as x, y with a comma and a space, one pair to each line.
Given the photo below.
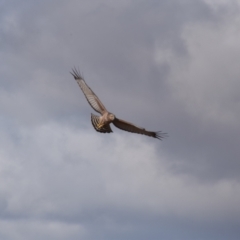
96, 124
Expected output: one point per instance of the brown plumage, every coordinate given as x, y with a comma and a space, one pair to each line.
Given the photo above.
102, 123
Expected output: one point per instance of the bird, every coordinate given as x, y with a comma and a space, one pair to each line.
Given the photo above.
102, 123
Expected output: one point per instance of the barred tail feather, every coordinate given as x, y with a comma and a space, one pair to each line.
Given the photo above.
95, 122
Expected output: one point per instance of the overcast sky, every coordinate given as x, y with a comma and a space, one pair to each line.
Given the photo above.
164, 65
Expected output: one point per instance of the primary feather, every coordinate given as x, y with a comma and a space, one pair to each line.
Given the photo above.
91, 97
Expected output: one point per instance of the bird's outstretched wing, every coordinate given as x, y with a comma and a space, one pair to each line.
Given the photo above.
129, 127
91, 97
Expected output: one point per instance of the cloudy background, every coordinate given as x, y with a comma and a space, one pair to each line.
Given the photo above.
164, 65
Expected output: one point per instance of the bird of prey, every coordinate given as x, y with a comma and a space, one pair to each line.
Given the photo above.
102, 123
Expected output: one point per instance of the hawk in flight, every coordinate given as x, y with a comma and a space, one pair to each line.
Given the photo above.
102, 123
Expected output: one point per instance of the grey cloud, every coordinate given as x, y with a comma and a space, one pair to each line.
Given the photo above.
157, 63
114, 194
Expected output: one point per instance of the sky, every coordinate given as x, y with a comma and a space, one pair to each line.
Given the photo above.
165, 65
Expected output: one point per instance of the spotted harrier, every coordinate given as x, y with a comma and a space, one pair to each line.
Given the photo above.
102, 123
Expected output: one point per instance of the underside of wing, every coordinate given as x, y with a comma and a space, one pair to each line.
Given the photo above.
95, 122
91, 97
129, 127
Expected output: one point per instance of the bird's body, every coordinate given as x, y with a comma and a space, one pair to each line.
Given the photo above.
102, 123
106, 118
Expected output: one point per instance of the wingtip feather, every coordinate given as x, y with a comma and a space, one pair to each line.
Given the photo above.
76, 73
160, 135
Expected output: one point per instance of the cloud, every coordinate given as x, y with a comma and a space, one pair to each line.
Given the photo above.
207, 80
163, 65
39, 229
60, 176
205, 85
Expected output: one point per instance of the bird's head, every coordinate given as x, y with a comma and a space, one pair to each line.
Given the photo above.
111, 116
